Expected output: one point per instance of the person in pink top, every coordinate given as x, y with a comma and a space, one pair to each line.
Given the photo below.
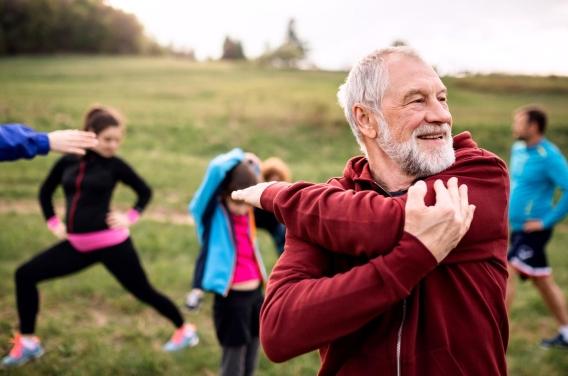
229, 264
237, 315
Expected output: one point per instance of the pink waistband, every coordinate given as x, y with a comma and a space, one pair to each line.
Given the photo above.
91, 241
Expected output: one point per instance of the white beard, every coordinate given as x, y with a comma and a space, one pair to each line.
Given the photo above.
412, 160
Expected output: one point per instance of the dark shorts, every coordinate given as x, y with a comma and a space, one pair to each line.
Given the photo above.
237, 317
527, 255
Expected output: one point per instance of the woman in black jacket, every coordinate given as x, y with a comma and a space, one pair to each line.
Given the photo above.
91, 233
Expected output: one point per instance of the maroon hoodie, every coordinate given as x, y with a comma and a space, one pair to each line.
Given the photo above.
371, 297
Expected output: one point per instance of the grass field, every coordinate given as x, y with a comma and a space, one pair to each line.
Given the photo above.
181, 114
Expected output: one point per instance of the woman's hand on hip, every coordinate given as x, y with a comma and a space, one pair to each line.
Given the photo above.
116, 219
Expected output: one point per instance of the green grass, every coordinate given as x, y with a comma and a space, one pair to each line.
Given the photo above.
180, 115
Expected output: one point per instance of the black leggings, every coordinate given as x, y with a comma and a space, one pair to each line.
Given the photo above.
62, 259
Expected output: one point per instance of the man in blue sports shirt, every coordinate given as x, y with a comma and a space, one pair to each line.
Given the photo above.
537, 169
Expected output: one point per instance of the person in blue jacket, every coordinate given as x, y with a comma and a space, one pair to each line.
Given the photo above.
18, 141
537, 169
229, 264
272, 169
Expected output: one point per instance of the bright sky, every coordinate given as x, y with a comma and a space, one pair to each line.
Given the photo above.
514, 36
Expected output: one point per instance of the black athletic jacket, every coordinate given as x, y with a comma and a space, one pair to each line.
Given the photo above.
88, 183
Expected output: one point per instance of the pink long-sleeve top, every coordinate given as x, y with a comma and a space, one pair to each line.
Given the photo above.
246, 268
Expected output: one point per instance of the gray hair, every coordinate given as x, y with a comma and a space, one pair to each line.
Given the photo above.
366, 84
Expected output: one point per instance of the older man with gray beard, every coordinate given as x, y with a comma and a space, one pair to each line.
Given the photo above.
384, 270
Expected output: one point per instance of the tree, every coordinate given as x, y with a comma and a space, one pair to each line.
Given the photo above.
290, 53
292, 38
399, 43
232, 50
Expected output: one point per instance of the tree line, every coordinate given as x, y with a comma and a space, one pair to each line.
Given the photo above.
92, 26
79, 26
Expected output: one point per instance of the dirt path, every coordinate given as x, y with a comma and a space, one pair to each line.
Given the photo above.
156, 214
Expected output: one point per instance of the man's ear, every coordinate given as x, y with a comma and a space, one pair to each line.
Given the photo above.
366, 121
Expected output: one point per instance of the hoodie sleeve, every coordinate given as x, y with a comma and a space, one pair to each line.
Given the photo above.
18, 141
344, 221
300, 312
367, 223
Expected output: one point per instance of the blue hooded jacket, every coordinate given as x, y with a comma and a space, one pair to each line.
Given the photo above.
216, 263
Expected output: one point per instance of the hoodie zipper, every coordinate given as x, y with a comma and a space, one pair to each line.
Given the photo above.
403, 319
399, 339
73, 209
401, 327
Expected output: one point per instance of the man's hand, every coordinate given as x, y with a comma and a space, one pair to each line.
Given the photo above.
115, 219
533, 225
251, 195
442, 226
71, 141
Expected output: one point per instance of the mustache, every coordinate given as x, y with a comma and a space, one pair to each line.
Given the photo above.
428, 129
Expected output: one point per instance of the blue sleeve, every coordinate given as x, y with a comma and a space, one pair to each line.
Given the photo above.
558, 173
18, 141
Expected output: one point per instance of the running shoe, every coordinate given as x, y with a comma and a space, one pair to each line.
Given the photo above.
193, 299
21, 352
556, 342
186, 336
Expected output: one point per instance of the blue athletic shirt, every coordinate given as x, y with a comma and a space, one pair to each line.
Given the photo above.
536, 171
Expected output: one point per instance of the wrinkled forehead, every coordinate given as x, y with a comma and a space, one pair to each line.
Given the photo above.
410, 74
